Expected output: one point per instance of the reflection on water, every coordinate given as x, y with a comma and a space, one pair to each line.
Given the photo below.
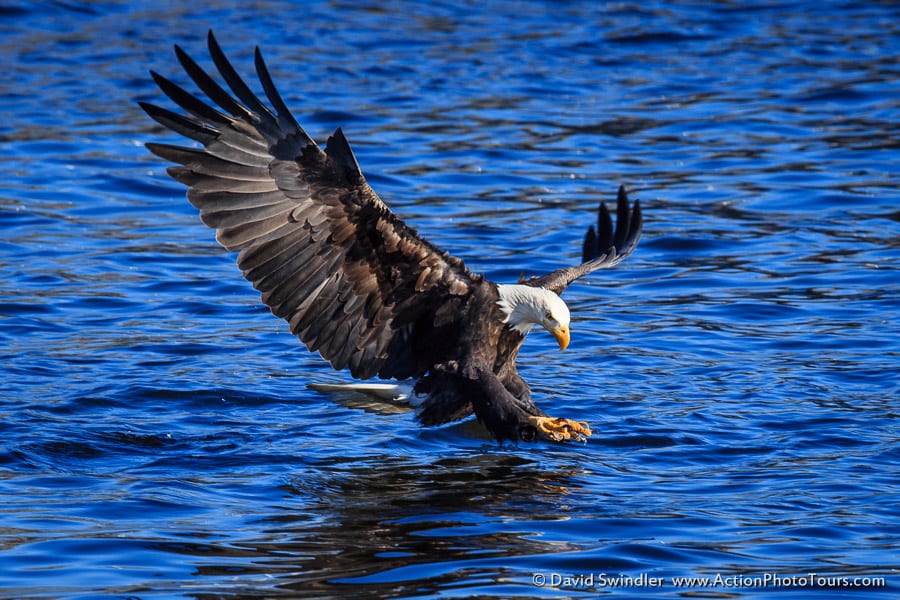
738, 370
431, 520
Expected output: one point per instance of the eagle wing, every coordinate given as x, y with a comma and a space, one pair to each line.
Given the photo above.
603, 248
323, 249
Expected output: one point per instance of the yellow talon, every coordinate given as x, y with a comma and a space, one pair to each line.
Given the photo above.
561, 430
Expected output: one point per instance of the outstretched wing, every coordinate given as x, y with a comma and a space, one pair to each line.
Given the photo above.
603, 247
326, 253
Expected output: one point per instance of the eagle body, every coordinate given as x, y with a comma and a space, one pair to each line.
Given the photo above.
352, 280
475, 371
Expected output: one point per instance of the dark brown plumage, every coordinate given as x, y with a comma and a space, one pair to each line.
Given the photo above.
352, 280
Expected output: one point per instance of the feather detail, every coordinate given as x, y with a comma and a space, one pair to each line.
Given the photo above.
324, 251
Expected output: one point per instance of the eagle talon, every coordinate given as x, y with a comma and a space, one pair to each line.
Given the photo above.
558, 429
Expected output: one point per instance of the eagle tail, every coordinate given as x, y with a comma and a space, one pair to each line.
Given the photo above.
398, 393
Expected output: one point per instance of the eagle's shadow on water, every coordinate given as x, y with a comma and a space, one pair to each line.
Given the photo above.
400, 525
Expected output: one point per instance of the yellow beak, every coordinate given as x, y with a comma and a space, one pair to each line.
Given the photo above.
562, 336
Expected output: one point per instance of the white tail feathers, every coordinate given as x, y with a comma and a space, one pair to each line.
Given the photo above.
397, 394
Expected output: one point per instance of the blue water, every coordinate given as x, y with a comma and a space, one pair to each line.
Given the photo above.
740, 370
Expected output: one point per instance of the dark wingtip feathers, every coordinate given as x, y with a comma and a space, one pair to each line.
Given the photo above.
622, 237
338, 150
623, 217
589, 248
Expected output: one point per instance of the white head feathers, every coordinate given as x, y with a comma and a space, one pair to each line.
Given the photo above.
524, 306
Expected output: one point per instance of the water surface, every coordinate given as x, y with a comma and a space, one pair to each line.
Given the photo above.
740, 370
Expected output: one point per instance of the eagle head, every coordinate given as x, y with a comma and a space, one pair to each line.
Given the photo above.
524, 306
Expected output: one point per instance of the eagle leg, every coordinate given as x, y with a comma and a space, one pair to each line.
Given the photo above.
558, 429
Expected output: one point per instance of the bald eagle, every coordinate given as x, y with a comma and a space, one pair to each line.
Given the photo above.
355, 282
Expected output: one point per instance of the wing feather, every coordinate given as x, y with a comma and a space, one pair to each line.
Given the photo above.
285, 119
603, 248
326, 254
268, 206
189, 102
187, 127
235, 82
199, 182
254, 232
205, 163
213, 90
